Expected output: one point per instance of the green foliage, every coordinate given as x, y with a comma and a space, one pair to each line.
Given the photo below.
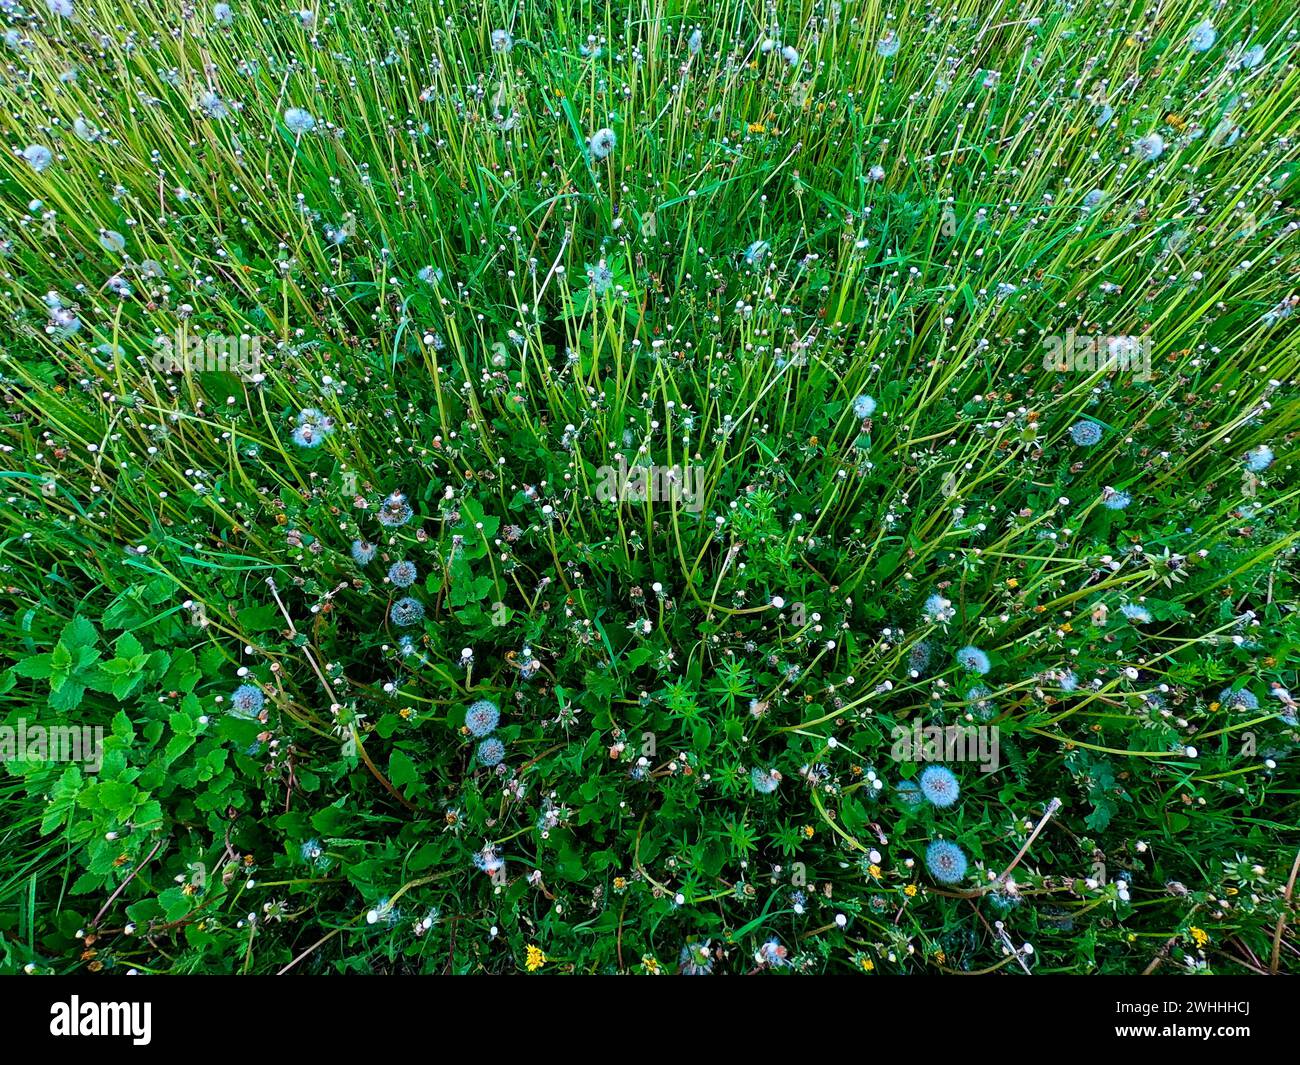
728, 460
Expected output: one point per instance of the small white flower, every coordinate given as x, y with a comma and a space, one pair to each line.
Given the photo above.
502, 42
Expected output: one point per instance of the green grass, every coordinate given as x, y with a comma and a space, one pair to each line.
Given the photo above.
479, 311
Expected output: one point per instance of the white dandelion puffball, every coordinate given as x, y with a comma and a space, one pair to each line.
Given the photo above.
1202, 38
602, 143
38, 157
299, 121
1150, 147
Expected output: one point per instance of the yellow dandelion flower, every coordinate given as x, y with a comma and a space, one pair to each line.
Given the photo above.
1199, 935
536, 959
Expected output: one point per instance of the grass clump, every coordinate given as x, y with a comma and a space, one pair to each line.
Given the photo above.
648, 487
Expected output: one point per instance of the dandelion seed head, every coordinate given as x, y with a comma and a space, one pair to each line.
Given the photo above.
402, 574
1202, 37
395, 511
602, 143
407, 612
946, 861
490, 752
1259, 459
482, 717
939, 786
973, 660
247, 701
38, 157
1240, 699
299, 121
1149, 148
1085, 433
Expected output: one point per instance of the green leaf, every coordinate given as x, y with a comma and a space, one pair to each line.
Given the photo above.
61, 659
63, 800
175, 903
38, 667
68, 695
79, 632
116, 796
127, 646
260, 618
401, 770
